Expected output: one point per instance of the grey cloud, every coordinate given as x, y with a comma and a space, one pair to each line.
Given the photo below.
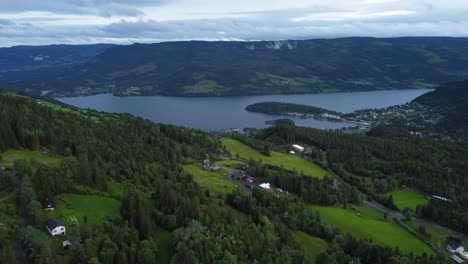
423, 20
95, 7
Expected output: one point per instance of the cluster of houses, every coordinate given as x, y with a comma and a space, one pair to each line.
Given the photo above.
455, 247
55, 226
206, 164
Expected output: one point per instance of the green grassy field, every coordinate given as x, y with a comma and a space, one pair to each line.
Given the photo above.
372, 225
407, 198
289, 162
10, 155
95, 207
215, 182
229, 163
313, 246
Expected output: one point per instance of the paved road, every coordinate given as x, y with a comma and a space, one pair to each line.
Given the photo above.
400, 217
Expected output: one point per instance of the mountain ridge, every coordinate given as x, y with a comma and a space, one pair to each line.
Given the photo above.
219, 68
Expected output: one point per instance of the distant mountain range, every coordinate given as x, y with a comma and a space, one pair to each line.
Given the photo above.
198, 68
22, 65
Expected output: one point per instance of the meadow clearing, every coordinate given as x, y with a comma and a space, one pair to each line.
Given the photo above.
313, 246
287, 161
407, 198
372, 225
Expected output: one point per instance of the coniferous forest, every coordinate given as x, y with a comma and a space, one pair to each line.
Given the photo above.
98, 151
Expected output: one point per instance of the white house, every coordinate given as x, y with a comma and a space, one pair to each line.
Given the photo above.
298, 148
455, 247
55, 227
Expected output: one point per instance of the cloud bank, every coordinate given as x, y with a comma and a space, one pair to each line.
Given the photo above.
32, 22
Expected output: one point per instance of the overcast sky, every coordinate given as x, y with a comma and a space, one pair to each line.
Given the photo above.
38, 22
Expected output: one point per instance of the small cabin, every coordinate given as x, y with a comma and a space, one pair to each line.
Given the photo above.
206, 163
66, 244
49, 204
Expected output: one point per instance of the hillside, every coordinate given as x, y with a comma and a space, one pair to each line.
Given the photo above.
131, 190
450, 100
199, 68
20, 64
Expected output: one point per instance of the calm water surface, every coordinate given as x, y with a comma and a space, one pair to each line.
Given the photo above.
214, 113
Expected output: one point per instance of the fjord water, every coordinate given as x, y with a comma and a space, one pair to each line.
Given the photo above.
214, 113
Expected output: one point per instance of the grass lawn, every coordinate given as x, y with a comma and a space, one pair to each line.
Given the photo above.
230, 163
313, 246
407, 198
372, 225
95, 207
215, 182
163, 239
287, 161
10, 155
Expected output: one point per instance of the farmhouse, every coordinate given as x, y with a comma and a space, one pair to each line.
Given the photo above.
55, 227
49, 204
298, 148
454, 246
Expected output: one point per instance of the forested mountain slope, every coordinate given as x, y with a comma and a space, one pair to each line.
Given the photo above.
98, 151
269, 67
450, 100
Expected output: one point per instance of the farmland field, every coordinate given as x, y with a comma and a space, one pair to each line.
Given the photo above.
215, 182
10, 155
407, 198
289, 162
372, 225
75, 206
313, 246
